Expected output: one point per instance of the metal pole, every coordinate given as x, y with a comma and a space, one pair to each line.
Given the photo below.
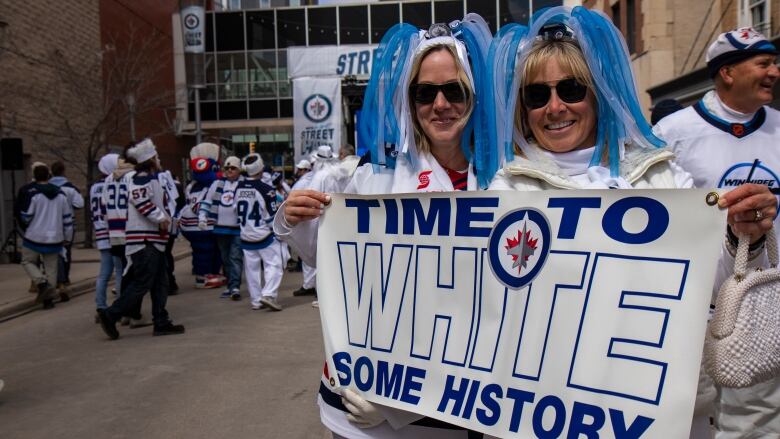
198, 133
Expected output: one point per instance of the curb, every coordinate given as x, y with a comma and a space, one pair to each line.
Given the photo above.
24, 306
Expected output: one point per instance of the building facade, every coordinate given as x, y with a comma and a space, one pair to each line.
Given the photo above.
248, 97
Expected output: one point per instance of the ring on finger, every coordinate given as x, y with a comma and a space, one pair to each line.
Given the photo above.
759, 215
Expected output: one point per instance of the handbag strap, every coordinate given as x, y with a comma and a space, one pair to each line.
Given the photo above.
740, 263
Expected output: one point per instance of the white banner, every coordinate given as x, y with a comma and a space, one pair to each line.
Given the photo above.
316, 115
194, 27
330, 60
522, 314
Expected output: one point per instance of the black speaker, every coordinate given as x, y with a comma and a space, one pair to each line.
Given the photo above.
12, 157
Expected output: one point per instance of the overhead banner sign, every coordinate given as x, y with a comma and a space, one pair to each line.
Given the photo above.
193, 19
330, 60
522, 314
316, 115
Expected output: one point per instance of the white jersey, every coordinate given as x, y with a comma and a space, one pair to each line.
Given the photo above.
146, 209
169, 186
98, 210
114, 198
218, 205
255, 208
72, 193
722, 154
194, 194
48, 217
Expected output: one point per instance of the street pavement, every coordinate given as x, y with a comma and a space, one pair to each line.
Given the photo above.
235, 373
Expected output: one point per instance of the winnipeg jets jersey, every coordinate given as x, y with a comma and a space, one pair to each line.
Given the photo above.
195, 193
98, 211
723, 154
255, 208
218, 205
49, 219
114, 199
146, 209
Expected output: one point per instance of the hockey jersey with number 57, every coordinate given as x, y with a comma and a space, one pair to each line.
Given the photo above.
147, 209
255, 208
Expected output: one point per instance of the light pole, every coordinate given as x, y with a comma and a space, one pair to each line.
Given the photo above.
193, 16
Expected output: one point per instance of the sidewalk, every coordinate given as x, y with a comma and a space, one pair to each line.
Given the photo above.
15, 299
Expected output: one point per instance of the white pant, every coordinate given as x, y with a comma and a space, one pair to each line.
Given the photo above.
271, 259
309, 276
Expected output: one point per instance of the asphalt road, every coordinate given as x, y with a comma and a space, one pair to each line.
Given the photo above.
235, 373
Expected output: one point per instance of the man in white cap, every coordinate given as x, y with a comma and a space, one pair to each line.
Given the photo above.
726, 139
218, 206
148, 222
108, 262
255, 207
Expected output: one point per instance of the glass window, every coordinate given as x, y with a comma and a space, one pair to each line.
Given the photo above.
281, 59
260, 32
230, 31
210, 32
231, 91
285, 108
208, 65
759, 16
417, 14
513, 11
251, 4
447, 11
231, 68
486, 9
541, 4
383, 17
208, 111
353, 25
290, 26
322, 26
232, 110
262, 66
262, 90
263, 109
285, 89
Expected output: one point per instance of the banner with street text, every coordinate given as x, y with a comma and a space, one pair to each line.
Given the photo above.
316, 114
522, 314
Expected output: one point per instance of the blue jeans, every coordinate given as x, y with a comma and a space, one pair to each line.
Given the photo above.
205, 256
232, 258
108, 264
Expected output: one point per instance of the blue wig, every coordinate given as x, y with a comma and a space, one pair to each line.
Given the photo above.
620, 118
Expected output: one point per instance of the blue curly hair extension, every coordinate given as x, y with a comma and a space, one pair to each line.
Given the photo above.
501, 94
474, 32
378, 126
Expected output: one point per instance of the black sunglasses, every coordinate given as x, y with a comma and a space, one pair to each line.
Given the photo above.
424, 93
568, 90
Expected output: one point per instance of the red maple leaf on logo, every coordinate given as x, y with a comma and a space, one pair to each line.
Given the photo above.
529, 244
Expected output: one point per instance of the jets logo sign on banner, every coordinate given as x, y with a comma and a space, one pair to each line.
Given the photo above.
522, 314
316, 114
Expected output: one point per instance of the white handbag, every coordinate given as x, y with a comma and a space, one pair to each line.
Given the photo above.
742, 346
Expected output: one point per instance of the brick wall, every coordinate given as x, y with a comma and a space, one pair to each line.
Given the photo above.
50, 83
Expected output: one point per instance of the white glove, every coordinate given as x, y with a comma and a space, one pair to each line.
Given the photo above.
361, 412
202, 225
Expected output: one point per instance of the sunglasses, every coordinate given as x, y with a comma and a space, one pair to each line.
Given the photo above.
568, 90
228, 168
425, 93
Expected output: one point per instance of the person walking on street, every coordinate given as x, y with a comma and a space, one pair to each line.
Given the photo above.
218, 206
146, 235
48, 222
255, 207
108, 262
76, 202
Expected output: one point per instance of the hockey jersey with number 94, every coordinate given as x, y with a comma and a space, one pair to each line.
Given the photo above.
255, 206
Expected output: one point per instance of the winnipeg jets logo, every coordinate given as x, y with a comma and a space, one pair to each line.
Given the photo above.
317, 108
227, 199
521, 248
518, 247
